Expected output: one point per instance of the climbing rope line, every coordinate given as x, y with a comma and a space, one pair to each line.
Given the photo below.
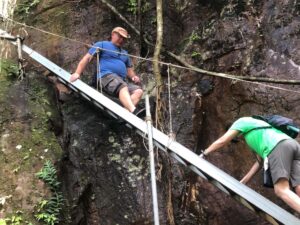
170, 105
144, 138
171, 139
171, 135
195, 69
98, 77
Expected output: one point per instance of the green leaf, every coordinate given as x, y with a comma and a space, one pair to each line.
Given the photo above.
2, 222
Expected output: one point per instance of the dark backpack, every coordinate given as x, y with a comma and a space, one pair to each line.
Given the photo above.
284, 124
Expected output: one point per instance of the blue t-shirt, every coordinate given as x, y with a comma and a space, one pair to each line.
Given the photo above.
111, 61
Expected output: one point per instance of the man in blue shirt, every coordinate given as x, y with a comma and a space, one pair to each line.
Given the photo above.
115, 65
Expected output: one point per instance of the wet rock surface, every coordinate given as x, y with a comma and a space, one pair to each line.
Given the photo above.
105, 168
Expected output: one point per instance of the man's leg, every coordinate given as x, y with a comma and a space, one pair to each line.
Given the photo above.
136, 96
284, 168
115, 85
125, 99
282, 190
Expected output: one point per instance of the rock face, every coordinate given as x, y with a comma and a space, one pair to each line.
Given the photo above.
105, 168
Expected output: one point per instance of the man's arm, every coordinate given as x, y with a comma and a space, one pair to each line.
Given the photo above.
222, 141
81, 66
254, 169
132, 75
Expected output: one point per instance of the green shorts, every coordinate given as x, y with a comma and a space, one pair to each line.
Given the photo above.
112, 84
284, 162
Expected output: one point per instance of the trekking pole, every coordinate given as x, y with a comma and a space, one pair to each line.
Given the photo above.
152, 163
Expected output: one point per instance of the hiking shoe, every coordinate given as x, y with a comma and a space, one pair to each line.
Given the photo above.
141, 113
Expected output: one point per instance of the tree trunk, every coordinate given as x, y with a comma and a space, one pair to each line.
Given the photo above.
156, 66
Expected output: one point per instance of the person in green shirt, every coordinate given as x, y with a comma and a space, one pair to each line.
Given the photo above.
282, 152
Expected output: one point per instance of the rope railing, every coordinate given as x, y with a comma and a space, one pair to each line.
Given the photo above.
245, 79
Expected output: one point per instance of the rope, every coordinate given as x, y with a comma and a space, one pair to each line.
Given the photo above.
195, 69
98, 72
144, 138
170, 105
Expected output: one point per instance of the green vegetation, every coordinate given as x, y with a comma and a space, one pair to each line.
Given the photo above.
49, 210
49, 176
25, 6
132, 6
194, 36
8, 73
40, 142
26, 144
42, 110
180, 6
196, 54
8, 68
14, 219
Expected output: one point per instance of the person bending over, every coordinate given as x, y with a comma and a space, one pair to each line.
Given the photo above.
282, 151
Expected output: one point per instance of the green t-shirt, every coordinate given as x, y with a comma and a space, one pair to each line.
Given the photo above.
262, 141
